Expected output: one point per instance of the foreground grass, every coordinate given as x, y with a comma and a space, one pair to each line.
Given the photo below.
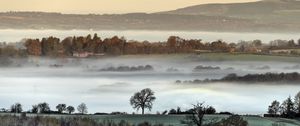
126, 120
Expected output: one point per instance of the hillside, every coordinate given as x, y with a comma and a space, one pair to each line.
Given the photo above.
133, 21
279, 11
261, 16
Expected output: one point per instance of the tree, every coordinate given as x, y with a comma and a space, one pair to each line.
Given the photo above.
143, 99
35, 109
61, 108
274, 108
210, 110
287, 107
257, 43
172, 111
44, 107
196, 118
291, 43
70, 109
16, 108
82, 108
297, 102
178, 111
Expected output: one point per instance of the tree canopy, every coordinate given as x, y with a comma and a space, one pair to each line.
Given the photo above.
143, 99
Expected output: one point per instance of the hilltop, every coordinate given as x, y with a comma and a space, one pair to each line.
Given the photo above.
277, 11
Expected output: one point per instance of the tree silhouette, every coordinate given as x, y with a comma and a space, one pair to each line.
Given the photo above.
16, 108
44, 107
297, 102
70, 109
287, 108
196, 118
143, 99
82, 108
35, 109
274, 108
61, 107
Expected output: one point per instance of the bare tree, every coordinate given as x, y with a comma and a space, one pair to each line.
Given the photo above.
82, 108
143, 99
197, 115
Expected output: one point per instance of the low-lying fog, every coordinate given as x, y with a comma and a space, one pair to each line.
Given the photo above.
11, 35
79, 80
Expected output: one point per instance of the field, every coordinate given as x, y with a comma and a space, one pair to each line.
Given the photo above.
221, 57
175, 120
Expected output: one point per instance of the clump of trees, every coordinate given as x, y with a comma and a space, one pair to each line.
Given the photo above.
289, 108
252, 78
201, 68
54, 47
178, 111
267, 77
44, 108
128, 68
110, 46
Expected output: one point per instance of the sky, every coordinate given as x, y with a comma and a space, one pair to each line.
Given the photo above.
102, 6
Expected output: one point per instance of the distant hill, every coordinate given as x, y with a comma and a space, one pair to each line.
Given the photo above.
287, 11
248, 9
133, 21
261, 16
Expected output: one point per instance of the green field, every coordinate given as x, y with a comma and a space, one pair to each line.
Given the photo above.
219, 57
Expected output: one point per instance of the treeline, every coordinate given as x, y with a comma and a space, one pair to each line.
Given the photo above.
289, 108
179, 111
128, 68
252, 78
95, 46
110, 46
267, 77
44, 108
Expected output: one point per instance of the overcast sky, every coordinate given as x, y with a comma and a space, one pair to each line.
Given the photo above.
102, 6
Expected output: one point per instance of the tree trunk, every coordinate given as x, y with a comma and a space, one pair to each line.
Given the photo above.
143, 111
